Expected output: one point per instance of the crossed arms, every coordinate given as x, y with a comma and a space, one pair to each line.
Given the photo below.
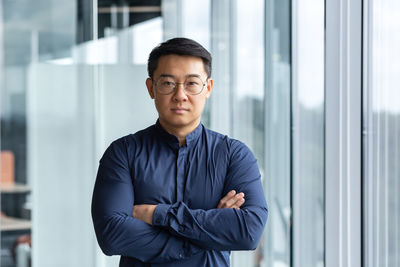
168, 232
145, 212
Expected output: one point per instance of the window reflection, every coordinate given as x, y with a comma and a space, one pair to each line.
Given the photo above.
381, 136
248, 94
308, 135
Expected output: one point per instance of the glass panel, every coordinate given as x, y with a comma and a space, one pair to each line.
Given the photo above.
196, 19
248, 93
308, 135
60, 101
381, 136
277, 244
28, 36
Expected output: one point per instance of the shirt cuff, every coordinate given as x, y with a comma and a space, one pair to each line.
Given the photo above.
160, 215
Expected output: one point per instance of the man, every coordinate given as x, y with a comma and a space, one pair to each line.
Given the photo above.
176, 193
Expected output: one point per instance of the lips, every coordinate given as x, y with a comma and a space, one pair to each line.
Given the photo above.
179, 110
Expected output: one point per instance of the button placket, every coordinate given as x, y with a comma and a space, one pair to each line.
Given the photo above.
180, 174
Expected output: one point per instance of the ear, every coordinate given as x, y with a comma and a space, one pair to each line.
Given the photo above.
210, 83
149, 85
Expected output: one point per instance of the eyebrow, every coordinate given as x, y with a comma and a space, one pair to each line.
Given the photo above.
172, 76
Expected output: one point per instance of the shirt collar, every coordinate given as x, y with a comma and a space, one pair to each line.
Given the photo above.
191, 138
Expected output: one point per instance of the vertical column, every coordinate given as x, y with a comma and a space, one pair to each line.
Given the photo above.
171, 11
343, 133
307, 132
277, 132
2, 94
381, 120
2, 83
222, 48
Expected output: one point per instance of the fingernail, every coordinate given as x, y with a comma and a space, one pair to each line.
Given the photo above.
232, 192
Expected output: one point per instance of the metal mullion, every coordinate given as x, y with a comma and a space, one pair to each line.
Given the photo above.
343, 133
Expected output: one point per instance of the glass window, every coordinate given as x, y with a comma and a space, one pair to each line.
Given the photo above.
196, 17
308, 134
381, 135
30, 37
247, 93
277, 156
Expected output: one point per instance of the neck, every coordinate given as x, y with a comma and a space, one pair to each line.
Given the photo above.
180, 132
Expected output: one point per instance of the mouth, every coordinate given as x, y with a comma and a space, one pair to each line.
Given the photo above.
179, 110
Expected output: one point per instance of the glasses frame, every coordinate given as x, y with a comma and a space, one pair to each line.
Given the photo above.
176, 85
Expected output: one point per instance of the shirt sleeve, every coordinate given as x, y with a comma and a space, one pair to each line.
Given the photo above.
117, 232
223, 229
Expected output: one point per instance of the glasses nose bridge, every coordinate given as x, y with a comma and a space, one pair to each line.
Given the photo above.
176, 84
176, 90
183, 87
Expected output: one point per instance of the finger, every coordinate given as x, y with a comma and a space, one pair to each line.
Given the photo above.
227, 199
230, 200
238, 204
134, 212
233, 200
228, 196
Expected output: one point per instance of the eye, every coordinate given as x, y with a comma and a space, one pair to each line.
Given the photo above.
193, 82
168, 83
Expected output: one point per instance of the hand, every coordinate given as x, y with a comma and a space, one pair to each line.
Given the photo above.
231, 200
144, 212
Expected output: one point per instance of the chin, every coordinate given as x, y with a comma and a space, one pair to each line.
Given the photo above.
179, 122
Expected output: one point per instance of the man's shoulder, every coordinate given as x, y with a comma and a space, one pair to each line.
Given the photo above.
230, 142
125, 146
133, 138
146, 132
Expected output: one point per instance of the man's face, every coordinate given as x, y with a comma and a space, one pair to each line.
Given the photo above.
179, 110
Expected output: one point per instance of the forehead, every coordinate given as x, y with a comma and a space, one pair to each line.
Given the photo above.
177, 65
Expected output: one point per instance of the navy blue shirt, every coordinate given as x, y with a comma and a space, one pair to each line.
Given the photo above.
187, 183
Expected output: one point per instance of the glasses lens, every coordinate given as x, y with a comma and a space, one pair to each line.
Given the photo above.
193, 85
165, 85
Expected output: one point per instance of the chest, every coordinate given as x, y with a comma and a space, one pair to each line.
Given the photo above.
194, 176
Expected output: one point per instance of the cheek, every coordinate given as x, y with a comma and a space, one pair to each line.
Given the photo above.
160, 102
159, 106
199, 105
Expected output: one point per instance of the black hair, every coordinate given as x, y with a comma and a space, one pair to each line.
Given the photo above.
179, 46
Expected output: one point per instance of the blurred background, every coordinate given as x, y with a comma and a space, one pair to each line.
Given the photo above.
320, 113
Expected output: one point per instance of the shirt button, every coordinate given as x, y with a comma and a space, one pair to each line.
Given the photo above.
158, 220
180, 229
180, 256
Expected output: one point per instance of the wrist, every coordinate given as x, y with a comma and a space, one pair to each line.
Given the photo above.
150, 213
160, 214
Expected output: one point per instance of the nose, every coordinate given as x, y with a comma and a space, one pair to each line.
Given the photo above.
180, 94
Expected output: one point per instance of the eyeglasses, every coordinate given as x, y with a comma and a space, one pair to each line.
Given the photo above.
166, 85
